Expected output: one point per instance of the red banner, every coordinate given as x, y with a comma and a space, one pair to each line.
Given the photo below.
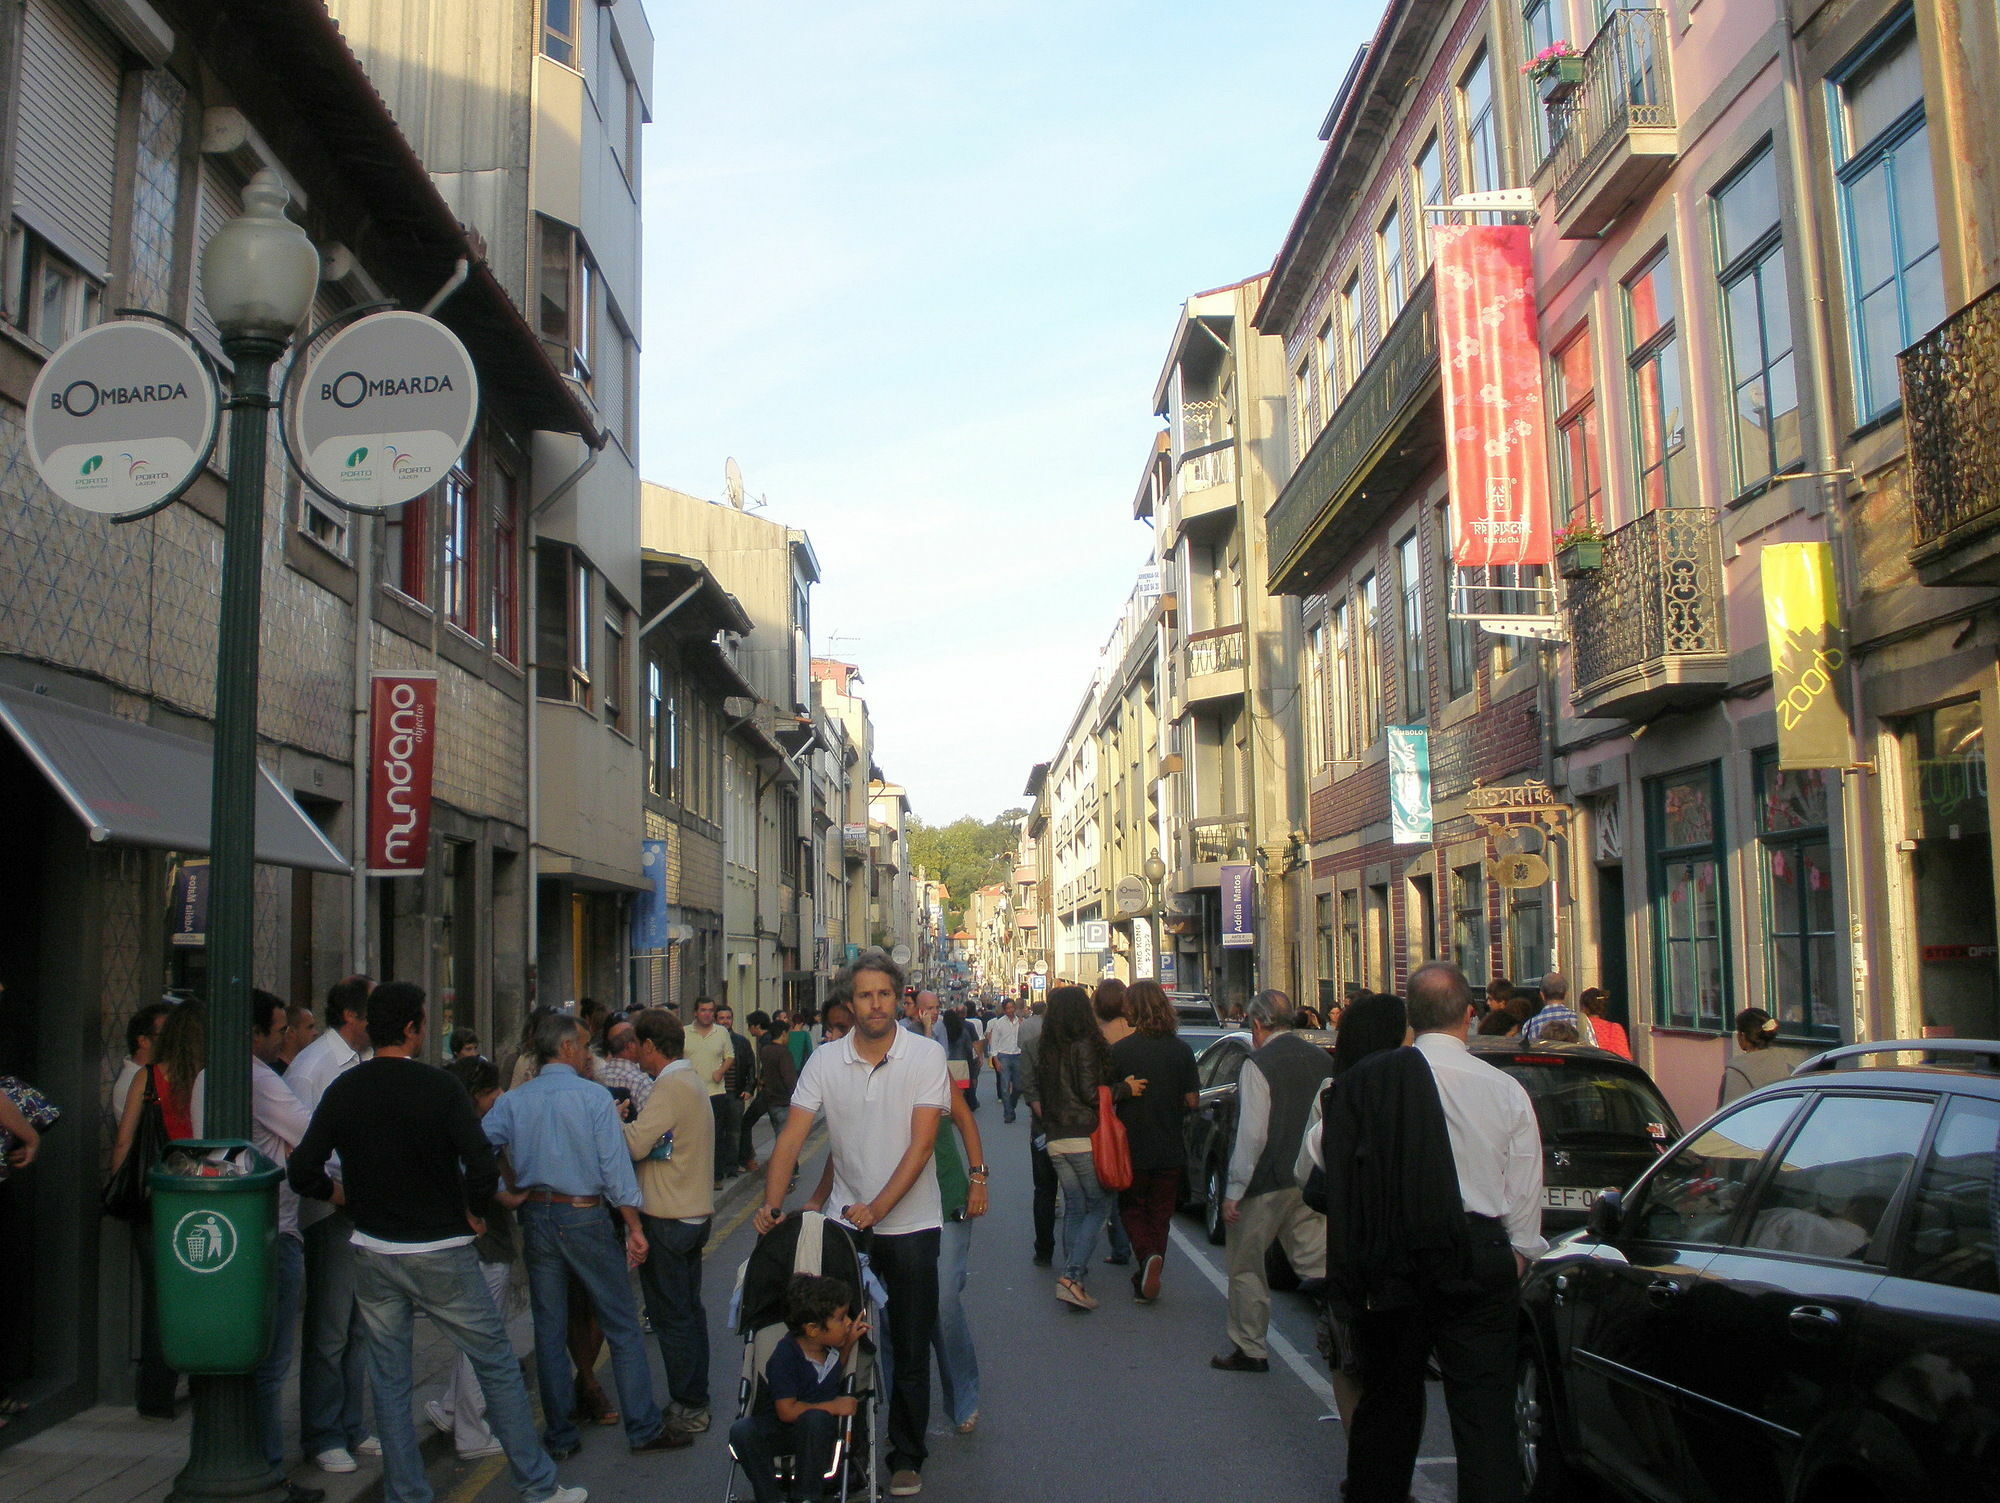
402, 721
1495, 452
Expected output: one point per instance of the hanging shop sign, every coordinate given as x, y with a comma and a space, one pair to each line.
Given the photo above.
1513, 873
1130, 896
383, 411
402, 720
1142, 951
1808, 655
1409, 784
1239, 905
122, 417
650, 927
1490, 366
189, 912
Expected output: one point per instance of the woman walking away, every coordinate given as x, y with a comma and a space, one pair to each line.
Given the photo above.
1109, 1003
1610, 1035
1155, 1054
1071, 1062
1758, 1059
1368, 1025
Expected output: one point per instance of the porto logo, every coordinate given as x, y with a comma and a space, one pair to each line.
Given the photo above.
356, 459
203, 1242
92, 465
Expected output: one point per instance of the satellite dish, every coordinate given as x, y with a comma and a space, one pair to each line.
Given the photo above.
732, 481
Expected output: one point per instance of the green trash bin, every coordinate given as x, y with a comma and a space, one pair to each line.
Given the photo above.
215, 1225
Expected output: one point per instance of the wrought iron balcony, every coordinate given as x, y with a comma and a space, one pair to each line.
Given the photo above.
1218, 651
1616, 135
1205, 481
1369, 449
1647, 628
1226, 838
1951, 414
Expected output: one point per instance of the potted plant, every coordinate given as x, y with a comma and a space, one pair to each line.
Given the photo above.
1579, 548
1557, 69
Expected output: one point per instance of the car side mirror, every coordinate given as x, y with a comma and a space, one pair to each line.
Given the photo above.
1607, 1216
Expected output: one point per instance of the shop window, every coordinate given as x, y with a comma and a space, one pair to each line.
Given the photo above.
1684, 838
1796, 865
1527, 934
1468, 922
1951, 871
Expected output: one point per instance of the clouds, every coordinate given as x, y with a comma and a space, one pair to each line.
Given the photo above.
915, 264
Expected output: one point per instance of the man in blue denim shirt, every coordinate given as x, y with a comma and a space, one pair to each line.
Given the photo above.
567, 1152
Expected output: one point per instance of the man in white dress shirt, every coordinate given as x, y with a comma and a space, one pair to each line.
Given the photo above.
1460, 1219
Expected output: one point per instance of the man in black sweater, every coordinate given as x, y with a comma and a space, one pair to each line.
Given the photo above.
417, 1177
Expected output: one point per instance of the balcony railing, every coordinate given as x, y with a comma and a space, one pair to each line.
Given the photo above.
1205, 468
1951, 412
1216, 652
1224, 839
1647, 627
1350, 445
1616, 130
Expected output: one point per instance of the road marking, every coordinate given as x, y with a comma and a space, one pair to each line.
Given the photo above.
1281, 1348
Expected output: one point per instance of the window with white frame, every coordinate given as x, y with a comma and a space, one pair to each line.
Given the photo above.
1756, 322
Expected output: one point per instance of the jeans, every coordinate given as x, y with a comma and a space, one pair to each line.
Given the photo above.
288, 1261
728, 1109
670, 1279
1008, 1086
462, 1398
561, 1240
1147, 1210
760, 1439
1045, 1197
1472, 1326
331, 1364
1084, 1204
907, 1265
951, 1338
448, 1287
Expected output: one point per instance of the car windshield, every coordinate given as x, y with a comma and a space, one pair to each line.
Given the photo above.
1575, 1102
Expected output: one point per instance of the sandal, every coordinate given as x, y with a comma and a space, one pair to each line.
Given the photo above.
13, 1406
1070, 1292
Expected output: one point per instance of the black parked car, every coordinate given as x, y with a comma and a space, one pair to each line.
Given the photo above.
1800, 1302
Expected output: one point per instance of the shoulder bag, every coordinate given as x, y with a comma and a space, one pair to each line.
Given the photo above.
1109, 1150
126, 1195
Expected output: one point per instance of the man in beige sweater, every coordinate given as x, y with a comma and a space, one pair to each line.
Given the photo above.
672, 1143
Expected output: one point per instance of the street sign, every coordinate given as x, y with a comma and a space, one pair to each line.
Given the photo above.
901, 955
1037, 981
1142, 951
384, 410
121, 419
1096, 934
1239, 906
1041, 968
1129, 897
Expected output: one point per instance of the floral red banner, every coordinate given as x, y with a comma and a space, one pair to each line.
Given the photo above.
1495, 452
402, 722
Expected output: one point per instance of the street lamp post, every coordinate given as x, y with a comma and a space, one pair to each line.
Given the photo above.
1156, 873
258, 275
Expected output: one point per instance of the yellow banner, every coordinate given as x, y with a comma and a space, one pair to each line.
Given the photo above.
1808, 655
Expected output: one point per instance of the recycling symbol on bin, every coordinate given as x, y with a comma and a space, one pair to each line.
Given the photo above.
204, 1242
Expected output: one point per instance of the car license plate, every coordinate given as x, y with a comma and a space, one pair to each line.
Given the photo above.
1567, 1198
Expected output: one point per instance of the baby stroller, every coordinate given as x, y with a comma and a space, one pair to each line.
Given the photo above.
807, 1242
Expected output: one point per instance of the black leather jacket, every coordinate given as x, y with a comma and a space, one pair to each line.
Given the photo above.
1068, 1094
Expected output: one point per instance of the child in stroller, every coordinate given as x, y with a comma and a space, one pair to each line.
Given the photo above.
807, 1399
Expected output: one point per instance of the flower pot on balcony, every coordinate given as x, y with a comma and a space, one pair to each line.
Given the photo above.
1557, 79
1586, 556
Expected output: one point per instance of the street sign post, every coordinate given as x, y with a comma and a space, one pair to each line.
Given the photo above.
1129, 897
122, 417
1096, 934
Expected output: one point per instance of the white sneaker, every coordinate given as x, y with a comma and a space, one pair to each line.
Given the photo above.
566, 1495
368, 1447
480, 1452
439, 1416
337, 1459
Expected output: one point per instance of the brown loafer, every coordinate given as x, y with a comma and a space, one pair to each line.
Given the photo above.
1239, 1362
669, 1439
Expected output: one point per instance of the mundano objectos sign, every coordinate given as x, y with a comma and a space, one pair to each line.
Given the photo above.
402, 719
384, 410
121, 418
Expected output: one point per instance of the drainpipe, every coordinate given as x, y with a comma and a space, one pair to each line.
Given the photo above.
594, 446
1853, 814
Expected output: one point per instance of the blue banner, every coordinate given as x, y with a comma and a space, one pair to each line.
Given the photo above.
1409, 784
649, 913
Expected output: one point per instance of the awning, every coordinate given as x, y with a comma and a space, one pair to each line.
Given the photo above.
134, 785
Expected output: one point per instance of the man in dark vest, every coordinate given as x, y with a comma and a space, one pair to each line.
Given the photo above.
1262, 1204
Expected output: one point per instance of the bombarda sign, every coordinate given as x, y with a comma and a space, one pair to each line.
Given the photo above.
121, 418
384, 410
403, 730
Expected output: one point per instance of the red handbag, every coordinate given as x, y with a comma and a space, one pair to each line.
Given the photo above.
1109, 1150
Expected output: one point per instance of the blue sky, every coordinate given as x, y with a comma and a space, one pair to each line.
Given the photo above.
915, 263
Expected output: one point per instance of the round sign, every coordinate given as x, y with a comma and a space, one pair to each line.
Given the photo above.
122, 417
204, 1242
384, 410
901, 955
1513, 872
1129, 897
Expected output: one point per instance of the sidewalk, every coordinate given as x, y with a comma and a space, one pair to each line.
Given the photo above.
109, 1454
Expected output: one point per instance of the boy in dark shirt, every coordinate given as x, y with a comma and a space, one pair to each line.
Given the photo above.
801, 1406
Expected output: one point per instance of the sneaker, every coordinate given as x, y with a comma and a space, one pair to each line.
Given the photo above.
906, 1483
681, 1417
479, 1453
369, 1446
565, 1495
337, 1459
1149, 1280
439, 1416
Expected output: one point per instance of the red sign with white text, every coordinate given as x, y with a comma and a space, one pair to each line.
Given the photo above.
402, 721
1495, 453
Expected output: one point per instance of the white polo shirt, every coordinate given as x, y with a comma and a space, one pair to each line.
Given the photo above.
868, 1111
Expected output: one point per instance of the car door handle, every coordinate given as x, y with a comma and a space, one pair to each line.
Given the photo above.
1662, 1292
1813, 1322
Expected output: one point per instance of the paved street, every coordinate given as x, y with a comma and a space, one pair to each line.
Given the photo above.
1095, 1408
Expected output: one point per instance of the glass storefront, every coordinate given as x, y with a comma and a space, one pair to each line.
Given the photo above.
1952, 872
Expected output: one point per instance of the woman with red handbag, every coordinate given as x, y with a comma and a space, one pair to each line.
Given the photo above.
1072, 1063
